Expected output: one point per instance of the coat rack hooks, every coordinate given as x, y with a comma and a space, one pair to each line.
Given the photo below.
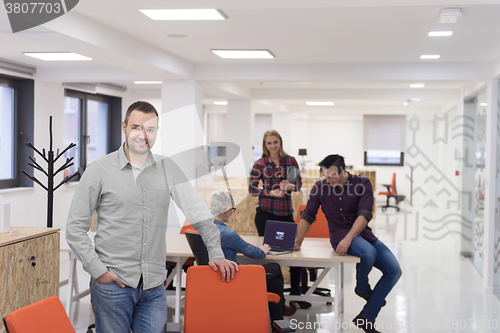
50, 159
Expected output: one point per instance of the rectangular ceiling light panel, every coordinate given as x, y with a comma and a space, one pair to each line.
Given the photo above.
440, 33
184, 14
244, 54
57, 56
320, 103
430, 56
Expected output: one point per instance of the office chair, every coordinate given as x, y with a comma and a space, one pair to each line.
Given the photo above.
197, 246
240, 305
392, 193
319, 229
47, 315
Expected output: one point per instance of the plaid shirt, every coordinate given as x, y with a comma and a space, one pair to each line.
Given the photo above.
271, 175
342, 206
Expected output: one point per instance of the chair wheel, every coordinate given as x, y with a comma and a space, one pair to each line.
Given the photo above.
328, 303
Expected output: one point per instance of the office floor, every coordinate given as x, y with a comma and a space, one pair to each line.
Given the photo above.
439, 291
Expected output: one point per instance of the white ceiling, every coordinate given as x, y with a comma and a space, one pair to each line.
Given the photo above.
344, 48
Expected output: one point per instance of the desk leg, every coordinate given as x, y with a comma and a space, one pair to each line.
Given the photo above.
178, 289
342, 288
337, 300
341, 292
71, 282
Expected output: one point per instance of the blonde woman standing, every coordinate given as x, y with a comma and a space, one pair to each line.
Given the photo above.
275, 199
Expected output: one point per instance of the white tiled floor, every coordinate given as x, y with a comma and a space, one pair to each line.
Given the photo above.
440, 291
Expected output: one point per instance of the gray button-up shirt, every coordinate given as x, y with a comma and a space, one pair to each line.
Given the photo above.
132, 207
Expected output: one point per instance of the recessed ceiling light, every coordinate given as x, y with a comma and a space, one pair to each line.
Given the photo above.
483, 104
244, 54
405, 104
417, 85
440, 33
147, 82
430, 56
57, 56
320, 103
220, 102
450, 15
177, 36
184, 14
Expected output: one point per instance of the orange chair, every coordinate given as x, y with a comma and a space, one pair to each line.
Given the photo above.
319, 229
392, 193
47, 315
240, 305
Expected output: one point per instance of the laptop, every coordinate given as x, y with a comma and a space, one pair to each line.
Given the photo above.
280, 236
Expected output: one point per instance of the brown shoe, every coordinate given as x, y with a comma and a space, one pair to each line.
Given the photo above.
289, 309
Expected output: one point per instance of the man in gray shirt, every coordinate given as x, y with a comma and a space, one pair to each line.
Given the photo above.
130, 189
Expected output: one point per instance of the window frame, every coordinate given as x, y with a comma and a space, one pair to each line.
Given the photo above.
401, 161
114, 127
23, 129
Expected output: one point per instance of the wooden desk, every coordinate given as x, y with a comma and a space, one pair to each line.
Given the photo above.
315, 252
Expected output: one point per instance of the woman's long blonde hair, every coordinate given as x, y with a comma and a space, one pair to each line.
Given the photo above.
265, 151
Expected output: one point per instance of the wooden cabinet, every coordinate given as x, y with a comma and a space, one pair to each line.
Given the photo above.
29, 267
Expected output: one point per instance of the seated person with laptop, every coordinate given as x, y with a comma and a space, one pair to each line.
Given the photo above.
221, 206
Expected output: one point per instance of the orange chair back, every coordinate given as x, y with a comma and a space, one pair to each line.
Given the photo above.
393, 187
47, 315
212, 305
319, 229
393, 184
185, 226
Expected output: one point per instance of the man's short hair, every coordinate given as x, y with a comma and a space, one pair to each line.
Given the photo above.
142, 106
333, 161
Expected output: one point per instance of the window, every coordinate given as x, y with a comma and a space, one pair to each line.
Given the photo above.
384, 157
16, 128
93, 122
384, 139
7, 130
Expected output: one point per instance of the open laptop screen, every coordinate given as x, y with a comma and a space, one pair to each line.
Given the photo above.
280, 235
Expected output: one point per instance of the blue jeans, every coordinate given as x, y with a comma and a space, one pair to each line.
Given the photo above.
374, 254
117, 310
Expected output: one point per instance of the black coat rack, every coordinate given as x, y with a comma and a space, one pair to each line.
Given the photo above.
50, 172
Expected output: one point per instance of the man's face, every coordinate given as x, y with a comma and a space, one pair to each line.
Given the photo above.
140, 132
333, 177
